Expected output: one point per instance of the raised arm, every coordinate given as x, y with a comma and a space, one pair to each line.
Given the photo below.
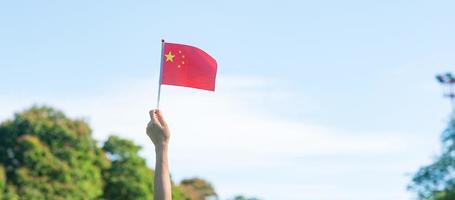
159, 133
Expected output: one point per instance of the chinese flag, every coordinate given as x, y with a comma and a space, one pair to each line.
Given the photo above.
188, 66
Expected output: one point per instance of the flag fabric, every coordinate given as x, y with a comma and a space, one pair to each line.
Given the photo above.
188, 66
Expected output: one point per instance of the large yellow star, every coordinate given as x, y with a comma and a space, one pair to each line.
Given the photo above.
169, 57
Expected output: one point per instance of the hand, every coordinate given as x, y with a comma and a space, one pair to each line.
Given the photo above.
157, 129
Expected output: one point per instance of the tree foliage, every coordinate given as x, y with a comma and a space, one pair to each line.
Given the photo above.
2, 181
128, 177
241, 197
197, 189
437, 180
46, 155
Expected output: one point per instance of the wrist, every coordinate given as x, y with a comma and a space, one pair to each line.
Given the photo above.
159, 148
161, 153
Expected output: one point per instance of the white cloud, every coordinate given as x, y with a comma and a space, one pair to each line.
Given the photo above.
216, 135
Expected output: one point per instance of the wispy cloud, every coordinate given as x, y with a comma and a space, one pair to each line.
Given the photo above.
220, 135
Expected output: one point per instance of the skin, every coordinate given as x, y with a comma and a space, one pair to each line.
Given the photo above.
158, 132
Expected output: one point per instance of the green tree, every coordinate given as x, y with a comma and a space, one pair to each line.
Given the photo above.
197, 189
437, 180
49, 156
2, 181
46, 155
241, 197
178, 194
128, 177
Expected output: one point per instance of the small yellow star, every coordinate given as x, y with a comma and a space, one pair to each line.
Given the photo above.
169, 57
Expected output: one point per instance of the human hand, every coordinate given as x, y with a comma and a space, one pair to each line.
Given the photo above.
157, 129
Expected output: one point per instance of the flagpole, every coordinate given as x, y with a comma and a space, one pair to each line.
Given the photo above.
161, 71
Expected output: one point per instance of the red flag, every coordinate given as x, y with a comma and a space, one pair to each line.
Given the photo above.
188, 66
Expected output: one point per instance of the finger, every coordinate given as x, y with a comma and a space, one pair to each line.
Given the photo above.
153, 117
151, 113
160, 118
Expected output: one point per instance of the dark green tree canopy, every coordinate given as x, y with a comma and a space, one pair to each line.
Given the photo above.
49, 156
197, 188
437, 180
46, 155
241, 197
128, 177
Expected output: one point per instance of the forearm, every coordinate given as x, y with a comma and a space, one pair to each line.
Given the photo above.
162, 189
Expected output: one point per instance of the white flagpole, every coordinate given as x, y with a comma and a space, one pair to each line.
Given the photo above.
161, 71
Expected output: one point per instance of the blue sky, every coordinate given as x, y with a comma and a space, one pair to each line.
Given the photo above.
315, 100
